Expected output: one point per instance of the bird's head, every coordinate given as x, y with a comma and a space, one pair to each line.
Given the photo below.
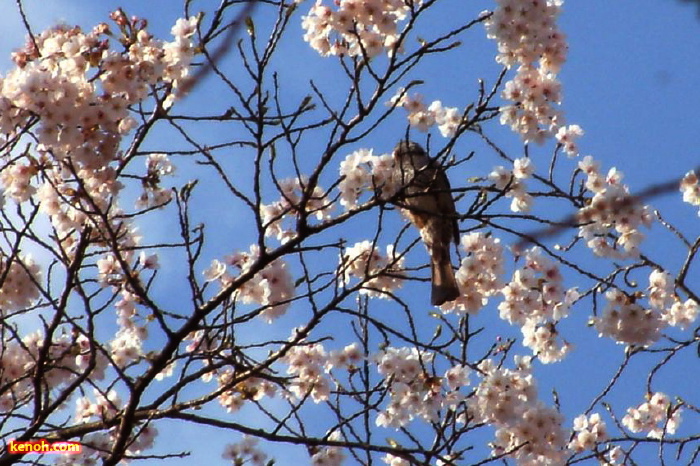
411, 157
406, 150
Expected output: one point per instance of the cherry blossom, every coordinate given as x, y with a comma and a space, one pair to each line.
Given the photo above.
588, 432
628, 322
479, 274
513, 184
329, 456
356, 28
381, 273
690, 187
414, 393
289, 206
272, 287
535, 299
528, 36
657, 416
566, 136
448, 119
508, 399
392, 460
245, 451
75, 110
362, 171
19, 287
611, 210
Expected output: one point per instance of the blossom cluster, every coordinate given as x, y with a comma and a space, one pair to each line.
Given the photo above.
80, 118
535, 299
533, 114
479, 273
289, 206
105, 407
527, 32
205, 347
234, 384
87, 354
423, 118
567, 136
690, 187
234, 395
19, 286
245, 451
658, 417
18, 361
611, 212
132, 331
525, 426
362, 28
153, 194
528, 36
16, 179
661, 289
201, 342
65, 359
363, 171
309, 364
681, 313
329, 456
96, 445
393, 460
381, 273
76, 92
511, 182
626, 321
126, 347
271, 287
588, 432
414, 393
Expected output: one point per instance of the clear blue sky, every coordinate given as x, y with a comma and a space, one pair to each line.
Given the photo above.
631, 81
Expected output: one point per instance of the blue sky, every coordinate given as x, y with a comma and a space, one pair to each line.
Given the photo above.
631, 81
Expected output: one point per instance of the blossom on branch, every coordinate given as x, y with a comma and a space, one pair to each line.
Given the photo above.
19, 286
272, 287
512, 183
448, 119
611, 214
245, 450
658, 416
589, 432
363, 28
690, 187
362, 171
527, 429
289, 206
536, 300
382, 274
528, 36
310, 365
479, 274
627, 322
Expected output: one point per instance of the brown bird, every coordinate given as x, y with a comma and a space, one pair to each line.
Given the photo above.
427, 201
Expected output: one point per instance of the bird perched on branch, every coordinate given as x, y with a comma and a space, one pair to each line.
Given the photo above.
427, 201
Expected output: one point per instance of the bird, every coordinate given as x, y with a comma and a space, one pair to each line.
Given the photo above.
426, 199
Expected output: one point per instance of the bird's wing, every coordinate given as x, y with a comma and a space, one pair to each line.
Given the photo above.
446, 203
434, 179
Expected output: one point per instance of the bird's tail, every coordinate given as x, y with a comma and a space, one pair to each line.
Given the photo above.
444, 283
